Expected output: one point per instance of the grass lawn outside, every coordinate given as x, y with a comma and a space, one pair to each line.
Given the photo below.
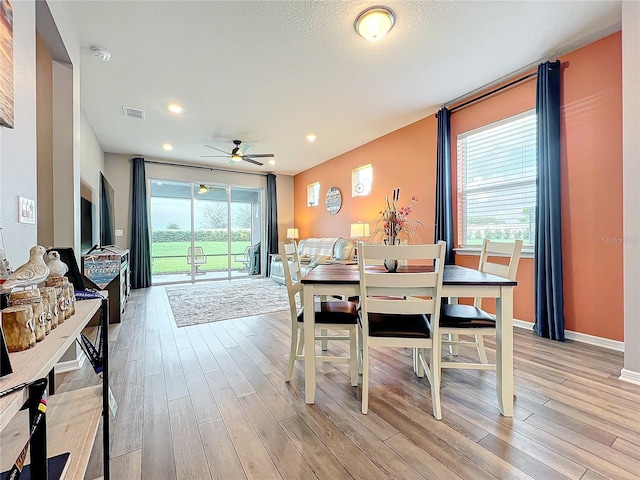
171, 257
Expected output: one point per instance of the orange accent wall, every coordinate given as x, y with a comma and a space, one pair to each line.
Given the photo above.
591, 184
405, 158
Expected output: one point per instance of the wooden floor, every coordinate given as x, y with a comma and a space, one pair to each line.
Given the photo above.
210, 402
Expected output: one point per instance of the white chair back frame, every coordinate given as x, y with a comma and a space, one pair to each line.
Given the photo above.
405, 293
293, 275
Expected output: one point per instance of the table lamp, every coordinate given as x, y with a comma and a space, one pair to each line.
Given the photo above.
292, 233
358, 230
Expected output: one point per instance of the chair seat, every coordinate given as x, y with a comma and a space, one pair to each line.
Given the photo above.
465, 316
333, 312
407, 326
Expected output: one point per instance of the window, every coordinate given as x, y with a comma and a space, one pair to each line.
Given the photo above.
361, 181
313, 194
497, 181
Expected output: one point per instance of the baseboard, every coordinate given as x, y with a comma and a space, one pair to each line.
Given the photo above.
71, 365
579, 337
629, 376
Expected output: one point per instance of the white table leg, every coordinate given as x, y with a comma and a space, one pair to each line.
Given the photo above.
504, 351
309, 345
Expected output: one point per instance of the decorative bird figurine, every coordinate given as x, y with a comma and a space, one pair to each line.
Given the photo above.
57, 268
31, 273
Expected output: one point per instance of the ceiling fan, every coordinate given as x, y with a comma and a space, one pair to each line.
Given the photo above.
237, 154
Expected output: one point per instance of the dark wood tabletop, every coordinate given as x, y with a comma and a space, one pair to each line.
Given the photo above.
453, 275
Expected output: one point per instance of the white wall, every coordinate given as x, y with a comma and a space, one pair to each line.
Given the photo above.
631, 186
91, 162
18, 145
66, 168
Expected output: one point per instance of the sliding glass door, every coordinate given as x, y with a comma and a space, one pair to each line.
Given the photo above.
204, 232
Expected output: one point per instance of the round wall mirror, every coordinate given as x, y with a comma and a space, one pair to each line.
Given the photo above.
333, 200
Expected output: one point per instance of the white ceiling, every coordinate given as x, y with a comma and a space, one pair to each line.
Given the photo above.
270, 72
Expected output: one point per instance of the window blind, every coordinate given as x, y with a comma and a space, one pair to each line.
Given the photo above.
497, 181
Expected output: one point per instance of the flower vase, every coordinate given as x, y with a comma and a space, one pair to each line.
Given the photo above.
391, 264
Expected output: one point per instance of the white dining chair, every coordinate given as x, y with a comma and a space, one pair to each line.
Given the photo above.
457, 319
329, 316
402, 309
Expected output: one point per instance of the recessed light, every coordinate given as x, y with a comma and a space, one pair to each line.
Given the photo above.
167, 146
175, 108
271, 161
311, 137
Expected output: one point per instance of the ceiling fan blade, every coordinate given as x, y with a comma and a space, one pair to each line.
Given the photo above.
261, 155
217, 149
250, 160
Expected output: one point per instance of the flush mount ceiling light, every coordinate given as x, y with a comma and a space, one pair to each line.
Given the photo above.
175, 108
167, 146
374, 23
311, 137
101, 54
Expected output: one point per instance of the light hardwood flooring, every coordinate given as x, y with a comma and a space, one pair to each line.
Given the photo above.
210, 402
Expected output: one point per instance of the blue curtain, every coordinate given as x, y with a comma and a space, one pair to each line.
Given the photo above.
549, 297
140, 251
444, 209
272, 220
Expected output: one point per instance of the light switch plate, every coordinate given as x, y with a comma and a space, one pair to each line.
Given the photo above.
26, 210
119, 233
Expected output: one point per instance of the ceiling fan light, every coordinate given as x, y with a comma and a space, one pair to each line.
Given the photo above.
374, 23
203, 189
236, 158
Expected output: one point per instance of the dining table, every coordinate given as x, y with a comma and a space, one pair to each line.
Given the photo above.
458, 282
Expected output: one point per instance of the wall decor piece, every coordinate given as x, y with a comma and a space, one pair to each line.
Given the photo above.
26, 210
6, 64
333, 200
101, 267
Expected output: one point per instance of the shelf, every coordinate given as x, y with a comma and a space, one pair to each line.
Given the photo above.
38, 361
72, 424
72, 417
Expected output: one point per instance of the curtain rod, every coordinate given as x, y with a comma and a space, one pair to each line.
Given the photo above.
495, 90
202, 167
499, 80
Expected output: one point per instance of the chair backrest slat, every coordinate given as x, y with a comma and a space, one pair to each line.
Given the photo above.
408, 293
512, 250
291, 267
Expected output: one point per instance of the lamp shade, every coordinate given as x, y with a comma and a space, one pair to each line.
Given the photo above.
292, 233
359, 230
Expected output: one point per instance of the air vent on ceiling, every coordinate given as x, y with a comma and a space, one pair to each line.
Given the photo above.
133, 112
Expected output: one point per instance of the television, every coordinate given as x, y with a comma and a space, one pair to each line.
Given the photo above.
88, 232
107, 213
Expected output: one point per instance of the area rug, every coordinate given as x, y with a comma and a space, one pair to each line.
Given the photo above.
225, 299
